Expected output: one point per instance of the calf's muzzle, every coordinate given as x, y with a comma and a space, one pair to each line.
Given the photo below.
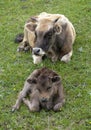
44, 100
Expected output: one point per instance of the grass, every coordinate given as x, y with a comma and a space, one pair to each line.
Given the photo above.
15, 67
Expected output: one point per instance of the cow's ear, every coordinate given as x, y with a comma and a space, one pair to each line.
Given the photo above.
63, 23
60, 24
31, 26
57, 29
56, 20
32, 81
34, 19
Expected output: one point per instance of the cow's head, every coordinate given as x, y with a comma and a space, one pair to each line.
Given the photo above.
46, 31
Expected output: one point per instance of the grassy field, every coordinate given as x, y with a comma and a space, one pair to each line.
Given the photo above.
15, 67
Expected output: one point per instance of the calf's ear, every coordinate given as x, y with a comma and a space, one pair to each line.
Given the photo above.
55, 79
32, 81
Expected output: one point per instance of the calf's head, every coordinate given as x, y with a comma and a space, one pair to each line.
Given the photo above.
47, 87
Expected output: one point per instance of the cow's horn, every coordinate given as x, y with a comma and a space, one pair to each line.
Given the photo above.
56, 20
34, 19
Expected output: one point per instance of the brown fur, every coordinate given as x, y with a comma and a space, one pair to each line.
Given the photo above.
60, 39
45, 89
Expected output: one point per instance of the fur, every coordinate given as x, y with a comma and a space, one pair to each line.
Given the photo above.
45, 89
54, 34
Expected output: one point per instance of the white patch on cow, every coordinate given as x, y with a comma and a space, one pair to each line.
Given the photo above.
66, 58
43, 15
18, 50
37, 59
63, 20
41, 52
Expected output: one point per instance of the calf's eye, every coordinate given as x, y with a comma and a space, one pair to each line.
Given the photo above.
49, 88
39, 90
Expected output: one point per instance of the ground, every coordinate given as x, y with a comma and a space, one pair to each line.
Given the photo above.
15, 67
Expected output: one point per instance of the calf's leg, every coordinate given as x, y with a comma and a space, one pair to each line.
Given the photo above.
22, 94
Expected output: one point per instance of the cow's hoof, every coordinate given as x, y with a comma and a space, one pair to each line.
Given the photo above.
54, 59
26, 49
65, 59
20, 49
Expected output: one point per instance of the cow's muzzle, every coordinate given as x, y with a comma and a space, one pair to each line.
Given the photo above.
37, 54
38, 51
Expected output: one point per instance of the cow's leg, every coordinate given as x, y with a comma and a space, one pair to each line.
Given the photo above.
52, 55
24, 46
22, 94
54, 58
66, 58
24, 43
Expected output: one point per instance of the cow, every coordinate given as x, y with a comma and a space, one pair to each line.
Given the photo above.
50, 35
43, 89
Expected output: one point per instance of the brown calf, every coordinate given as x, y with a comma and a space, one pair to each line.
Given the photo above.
44, 87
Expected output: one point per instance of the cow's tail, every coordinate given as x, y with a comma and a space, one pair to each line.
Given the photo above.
19, 38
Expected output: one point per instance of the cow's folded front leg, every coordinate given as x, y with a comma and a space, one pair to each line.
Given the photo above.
28, 48
24, 46
66, 58
54, 58
32, 105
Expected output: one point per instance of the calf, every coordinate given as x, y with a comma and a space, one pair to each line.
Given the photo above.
44, 87
52, 35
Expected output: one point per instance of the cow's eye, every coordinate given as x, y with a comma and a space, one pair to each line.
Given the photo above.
49, 34
35, 34
48, 88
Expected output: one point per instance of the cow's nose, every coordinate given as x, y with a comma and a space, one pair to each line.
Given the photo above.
43, 100
36, 51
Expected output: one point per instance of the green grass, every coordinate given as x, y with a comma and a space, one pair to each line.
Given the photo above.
15, 67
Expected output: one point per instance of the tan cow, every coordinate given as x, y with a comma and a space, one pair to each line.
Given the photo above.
44, 86
52, 35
